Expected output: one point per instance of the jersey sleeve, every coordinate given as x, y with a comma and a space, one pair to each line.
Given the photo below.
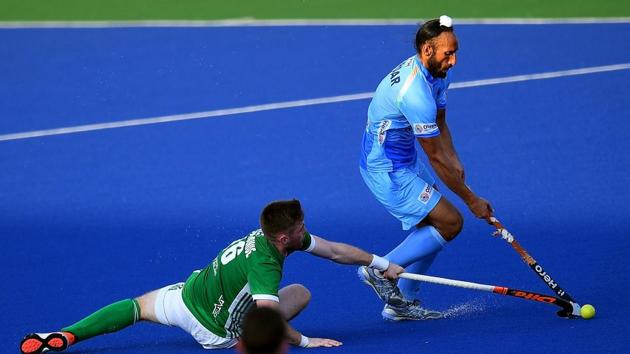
420, 110
308, 244
264, 279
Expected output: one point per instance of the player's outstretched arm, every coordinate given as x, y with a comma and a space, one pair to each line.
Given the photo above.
347, 254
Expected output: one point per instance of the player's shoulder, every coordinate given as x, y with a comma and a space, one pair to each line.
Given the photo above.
400, 73
407, 64
259, 248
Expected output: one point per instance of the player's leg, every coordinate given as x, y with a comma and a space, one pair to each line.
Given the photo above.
108, 319
147, 306
411, 289
429, 237
293, 299
436, 220
166, 306
418, 251
418, 200
409, 198
446, 219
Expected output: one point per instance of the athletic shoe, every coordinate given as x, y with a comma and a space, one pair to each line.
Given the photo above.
412, 311
386, 289
37, 343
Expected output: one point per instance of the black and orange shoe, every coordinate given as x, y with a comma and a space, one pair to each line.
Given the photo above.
37, 343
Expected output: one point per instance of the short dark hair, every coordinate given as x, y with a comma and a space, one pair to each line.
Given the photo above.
280, 216
263, 331
429, 30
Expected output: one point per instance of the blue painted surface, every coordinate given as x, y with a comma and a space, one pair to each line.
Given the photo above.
87, 219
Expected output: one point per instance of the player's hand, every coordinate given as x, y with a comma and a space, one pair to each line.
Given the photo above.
323, 342
392, 271
481, 208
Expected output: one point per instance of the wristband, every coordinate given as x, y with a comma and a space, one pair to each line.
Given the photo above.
304, 342
379, 263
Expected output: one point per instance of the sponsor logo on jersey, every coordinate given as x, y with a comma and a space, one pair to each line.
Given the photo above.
424, 128
215, 266
426, 194
382, 131
218, 306
250, 245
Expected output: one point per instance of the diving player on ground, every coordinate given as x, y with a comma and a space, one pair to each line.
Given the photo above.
212, 302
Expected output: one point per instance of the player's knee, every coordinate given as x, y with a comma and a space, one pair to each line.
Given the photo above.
452, 227
293, 299
146, 305
459, 224
301, 294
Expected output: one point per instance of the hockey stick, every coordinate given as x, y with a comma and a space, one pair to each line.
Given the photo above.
568, 308
546, 277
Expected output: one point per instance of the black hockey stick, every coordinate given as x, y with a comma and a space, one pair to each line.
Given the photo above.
529, 260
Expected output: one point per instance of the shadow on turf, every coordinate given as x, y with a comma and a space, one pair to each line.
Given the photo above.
183, 345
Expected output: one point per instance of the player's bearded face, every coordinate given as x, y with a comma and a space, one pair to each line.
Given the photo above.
296, 236
436, 68
443, 56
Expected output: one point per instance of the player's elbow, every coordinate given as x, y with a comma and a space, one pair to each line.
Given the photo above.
336, 257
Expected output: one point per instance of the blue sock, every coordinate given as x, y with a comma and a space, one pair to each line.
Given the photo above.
419, 244
416, 254
411, 288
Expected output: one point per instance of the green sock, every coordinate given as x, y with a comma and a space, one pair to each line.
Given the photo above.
110, 318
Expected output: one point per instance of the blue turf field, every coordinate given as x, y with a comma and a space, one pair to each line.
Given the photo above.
87, 219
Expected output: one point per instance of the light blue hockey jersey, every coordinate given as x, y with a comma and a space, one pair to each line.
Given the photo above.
403, 108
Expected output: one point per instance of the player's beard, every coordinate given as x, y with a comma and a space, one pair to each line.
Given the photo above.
434, 68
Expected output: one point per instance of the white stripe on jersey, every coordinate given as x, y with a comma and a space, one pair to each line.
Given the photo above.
265, 297
407, 84
239, 307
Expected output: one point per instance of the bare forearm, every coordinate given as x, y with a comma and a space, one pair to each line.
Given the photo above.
452, 174
447, 143
346, 254
446, 163
293, 336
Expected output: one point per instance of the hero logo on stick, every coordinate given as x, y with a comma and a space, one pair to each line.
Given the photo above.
552, 284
